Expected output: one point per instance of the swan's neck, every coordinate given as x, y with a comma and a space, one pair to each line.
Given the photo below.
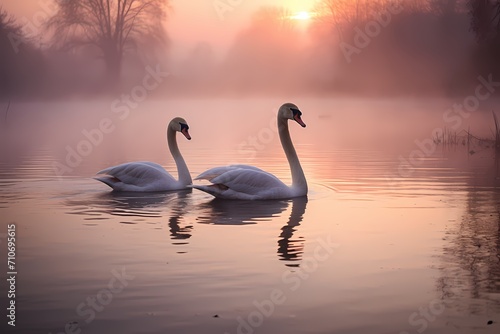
298, 178
182, 170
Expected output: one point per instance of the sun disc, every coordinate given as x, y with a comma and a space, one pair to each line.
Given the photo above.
301, 16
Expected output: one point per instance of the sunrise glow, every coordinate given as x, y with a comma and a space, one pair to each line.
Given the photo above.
301, 16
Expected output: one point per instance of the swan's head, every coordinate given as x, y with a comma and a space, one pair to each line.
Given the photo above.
291, 111
179, 124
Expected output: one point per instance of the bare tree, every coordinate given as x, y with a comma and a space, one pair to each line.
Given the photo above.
8, 23
11, 33
21, 63
345, 14
8, 28
331, 12
111, 26
277, 18
485, 18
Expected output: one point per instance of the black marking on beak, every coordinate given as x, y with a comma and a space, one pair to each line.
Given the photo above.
296, 116
184, 130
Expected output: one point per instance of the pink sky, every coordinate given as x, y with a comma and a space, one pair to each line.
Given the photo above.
192, 20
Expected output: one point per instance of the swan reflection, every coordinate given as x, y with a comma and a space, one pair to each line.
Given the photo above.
178, 209
138, 208
290, 248
131, 206
227, 212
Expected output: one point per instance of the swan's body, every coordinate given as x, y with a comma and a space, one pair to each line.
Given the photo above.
251, 183
145, 176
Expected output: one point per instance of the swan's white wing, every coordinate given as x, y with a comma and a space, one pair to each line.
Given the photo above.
138, 176
217, 171
247, 183
154, 165
110, 170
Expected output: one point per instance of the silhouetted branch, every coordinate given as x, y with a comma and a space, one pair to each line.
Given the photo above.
109, 25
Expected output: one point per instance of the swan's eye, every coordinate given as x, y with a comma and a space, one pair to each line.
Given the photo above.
184, 126
296, 112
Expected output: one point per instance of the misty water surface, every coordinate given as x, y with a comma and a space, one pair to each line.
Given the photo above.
379, 246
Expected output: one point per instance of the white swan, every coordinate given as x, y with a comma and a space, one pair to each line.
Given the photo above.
251, 183
148, 176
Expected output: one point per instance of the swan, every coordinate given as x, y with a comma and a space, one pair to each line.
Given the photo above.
145, 176
245, 182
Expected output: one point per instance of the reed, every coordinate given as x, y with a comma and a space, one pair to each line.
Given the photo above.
449, 138
497, 132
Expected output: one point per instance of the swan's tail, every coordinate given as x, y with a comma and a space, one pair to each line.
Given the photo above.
215, 190
111, 181
221, 191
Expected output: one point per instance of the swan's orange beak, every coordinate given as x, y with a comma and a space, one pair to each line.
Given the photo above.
299, 120
186, 133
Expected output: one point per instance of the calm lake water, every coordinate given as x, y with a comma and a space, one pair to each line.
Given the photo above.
394, 237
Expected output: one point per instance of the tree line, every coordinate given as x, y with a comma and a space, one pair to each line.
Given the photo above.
369, 46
